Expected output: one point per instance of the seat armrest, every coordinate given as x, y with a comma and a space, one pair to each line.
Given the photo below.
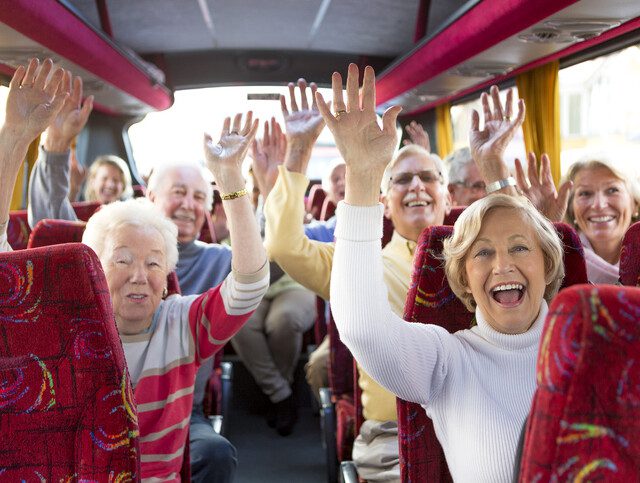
348, 472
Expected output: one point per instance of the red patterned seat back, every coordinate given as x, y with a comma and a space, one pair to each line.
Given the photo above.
431, 301
18, 230
139, 191
315, 200
585, 418
453, 215
630, 257
66, 404
85, 209
55, 232
328, 209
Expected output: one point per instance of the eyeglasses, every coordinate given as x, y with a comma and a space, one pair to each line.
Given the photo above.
427, 177
477, 186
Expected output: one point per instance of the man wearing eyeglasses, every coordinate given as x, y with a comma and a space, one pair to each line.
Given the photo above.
465, 183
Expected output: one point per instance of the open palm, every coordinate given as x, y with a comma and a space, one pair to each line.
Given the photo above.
33, 99
233, 145
74, 114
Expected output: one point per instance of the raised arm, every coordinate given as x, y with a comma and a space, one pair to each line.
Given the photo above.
489, 144
49, 182
267, 154
32, 103
224, 159
417, 135
408, 359
307, 262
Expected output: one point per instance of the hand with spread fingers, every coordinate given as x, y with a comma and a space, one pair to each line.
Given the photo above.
267, 154
71, 119
417, 135
366, 147
541, 190
302, 125
34, 99
489, 144
225, 158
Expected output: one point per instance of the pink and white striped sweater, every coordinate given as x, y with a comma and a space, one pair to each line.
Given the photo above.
163, 363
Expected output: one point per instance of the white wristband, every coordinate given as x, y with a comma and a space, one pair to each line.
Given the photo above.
501, 183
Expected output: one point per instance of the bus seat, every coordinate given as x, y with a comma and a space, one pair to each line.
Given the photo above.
328, 209
66, 404
315, 200
139, 191
431, 301
630, 257
387, 231
453, 215
585, 418
55, 232
18, 229
84, 209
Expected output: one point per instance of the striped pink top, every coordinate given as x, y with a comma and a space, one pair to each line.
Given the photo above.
163, 363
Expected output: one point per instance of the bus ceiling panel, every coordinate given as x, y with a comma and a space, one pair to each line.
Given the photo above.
123, 84
366, 27
495, 40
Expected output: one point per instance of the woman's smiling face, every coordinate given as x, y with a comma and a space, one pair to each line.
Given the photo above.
602, 205
505, 271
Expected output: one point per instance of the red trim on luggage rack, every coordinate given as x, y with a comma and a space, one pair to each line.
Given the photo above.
485, 25
608, 35
50, 24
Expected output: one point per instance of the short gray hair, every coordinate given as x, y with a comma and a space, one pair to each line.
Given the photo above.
158, 176
458, 163
326, 178
406, 152
138, 212
594, 161
468, 226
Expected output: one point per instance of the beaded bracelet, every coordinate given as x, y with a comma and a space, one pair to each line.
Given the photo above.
234, 195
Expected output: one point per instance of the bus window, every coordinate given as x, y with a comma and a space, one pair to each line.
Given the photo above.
461, 120
599, 102
176, 134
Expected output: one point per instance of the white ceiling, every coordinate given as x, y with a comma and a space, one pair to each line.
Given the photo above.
366, 27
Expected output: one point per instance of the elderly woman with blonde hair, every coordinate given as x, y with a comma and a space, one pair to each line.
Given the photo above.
108, 180
504, 261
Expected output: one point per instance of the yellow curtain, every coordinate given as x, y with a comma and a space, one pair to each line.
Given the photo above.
19, 197
444, 130
540, 90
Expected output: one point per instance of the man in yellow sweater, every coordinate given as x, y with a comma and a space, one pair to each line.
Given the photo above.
415, 197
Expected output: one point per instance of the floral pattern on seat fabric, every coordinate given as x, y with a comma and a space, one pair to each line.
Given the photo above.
66, 403
18, 230
630, 257
585, 419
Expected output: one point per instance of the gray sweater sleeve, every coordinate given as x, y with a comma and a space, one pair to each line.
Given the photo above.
49, 187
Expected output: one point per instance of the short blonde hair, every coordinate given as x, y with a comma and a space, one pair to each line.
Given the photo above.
406, 152
138, 212
594, 162
467, 228
115, 162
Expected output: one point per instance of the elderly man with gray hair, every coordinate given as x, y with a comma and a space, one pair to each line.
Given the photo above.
465, 183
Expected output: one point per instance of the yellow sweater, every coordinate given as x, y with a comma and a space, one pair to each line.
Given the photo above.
309, 263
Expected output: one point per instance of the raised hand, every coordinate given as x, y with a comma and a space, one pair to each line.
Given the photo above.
77, 175
489, 144
71, 119
541, 190
34, 100
224, 159
366, 147
417, 135
268, 153
302, 125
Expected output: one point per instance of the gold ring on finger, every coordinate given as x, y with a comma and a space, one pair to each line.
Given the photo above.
233, 132
506, 118
340, 113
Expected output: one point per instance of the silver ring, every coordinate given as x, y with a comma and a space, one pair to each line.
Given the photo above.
234, 132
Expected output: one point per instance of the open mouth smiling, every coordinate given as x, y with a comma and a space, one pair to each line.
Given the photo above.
508, 294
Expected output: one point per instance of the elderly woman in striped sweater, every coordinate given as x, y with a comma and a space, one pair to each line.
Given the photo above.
166, 339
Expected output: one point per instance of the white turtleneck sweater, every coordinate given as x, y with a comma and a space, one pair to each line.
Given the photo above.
476, 385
